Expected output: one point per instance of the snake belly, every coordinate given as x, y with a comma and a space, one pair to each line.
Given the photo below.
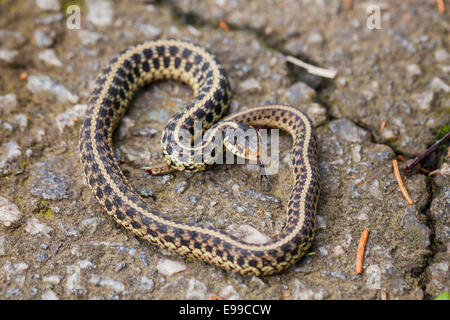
192, 64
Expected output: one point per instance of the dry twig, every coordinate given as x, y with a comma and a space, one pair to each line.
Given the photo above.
361, 249
326, 73
383, 294
441, 6
223, 25
400, 182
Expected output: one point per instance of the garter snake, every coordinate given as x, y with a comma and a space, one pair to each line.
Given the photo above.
194, 65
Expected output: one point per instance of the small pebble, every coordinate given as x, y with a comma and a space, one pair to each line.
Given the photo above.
120, 266
73, 283
424, 100
304, 292
438, 84
8, 55
145, 284
49, 295
54, 279
144, 132
146, 193
49, 58
192, 198
250, 85
2, 246
34, 227
149, 31
13, 292
169, 267
42, 39
298, 93
107, 282
317, 114
160, 115
21, 120
11, 39
251, 193
15, 272
181, 187
356, 156
229, 293
196, 290
9, 213
50, 5
85, 264
50, 181
315, 37
388, 134
441, 55
89, 37
90, 224
100, 12
67, 118
338, 251
9, 152
44, 85
348, 131
8, 103
194, 31
414, 70
251, 235
50, 19
42, 257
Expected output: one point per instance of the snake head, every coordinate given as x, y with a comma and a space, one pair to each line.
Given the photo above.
242, 141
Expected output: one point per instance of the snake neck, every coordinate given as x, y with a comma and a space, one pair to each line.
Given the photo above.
195, 150
191, 130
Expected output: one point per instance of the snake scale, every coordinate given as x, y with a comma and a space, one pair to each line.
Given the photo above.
187, 62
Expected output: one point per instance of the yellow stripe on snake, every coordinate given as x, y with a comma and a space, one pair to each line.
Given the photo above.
192, 64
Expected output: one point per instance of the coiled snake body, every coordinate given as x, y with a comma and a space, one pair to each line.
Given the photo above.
189, 63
